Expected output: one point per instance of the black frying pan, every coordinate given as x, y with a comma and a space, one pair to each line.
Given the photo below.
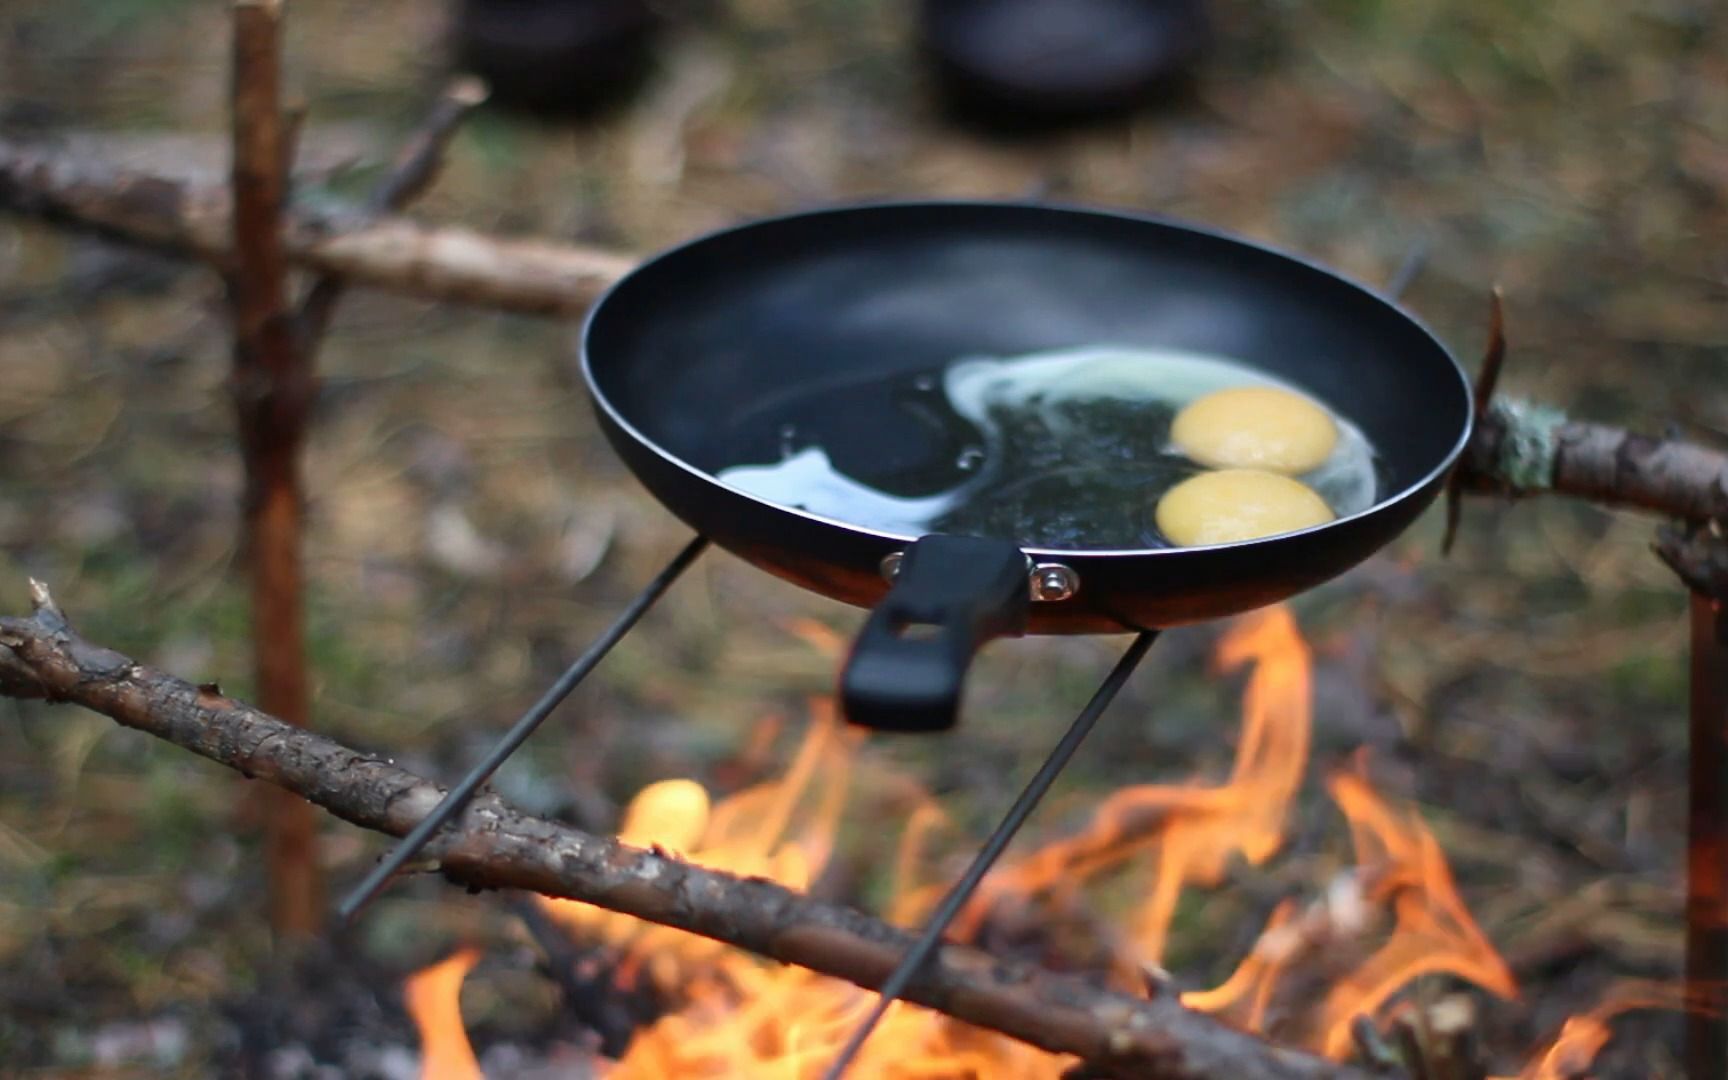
704, 334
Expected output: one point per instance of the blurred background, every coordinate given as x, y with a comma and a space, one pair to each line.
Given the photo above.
469, 530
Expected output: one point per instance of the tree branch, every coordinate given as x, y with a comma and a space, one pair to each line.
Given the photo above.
180, 217
496, 846
1521, 448
416, 166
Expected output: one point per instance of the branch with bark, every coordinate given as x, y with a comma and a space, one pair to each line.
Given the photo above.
417, 165
494, 846
273, 389
389, 252
1522, 448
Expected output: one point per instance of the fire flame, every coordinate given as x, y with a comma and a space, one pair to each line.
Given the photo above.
1399, 865
433, 998
790, 1022
1192, 830
1583, 1036
741, 1016
1434, 931
782, 829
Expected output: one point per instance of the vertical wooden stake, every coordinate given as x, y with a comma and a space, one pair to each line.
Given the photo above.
1707, 843
273, 390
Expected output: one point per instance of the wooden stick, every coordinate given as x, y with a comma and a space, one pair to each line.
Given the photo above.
180, 217
273, 390
1522, 448
495, 846
1707, 839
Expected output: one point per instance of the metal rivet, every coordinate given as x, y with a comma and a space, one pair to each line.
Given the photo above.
891, 564
1053, 581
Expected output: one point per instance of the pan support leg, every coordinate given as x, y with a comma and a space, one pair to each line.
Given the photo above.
1707, 843
457, 797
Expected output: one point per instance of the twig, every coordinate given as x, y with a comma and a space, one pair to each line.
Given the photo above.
416, 166
1698, 554
272, 390
495, 846
1487, 380
1522, 448
274, 386
179, 217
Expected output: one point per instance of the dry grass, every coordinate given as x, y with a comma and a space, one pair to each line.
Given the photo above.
471, 530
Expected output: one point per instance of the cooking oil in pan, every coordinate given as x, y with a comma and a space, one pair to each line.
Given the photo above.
1066, 449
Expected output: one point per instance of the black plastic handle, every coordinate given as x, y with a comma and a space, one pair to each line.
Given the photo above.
951, 595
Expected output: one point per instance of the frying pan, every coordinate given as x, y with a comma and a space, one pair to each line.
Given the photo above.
706, 333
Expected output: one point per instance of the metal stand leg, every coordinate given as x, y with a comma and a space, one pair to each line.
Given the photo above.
458, 796
1707, 844
931, 936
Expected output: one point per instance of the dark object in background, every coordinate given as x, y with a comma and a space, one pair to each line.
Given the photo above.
1033, 62
557, 58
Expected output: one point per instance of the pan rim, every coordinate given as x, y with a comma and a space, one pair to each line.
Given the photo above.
1409, 491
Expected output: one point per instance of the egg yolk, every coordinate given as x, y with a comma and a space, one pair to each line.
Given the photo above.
1237, 504
1255, 427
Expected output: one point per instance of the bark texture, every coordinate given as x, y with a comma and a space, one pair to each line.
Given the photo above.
181, 217
495, 846
1523, 449
273, 388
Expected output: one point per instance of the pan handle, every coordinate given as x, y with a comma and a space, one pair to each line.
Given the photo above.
951, 594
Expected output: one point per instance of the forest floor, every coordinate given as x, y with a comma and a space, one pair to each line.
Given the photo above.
470, 530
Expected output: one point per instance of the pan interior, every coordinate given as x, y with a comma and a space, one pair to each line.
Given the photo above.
694, 349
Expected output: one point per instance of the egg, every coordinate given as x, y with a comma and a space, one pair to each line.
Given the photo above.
1237, 504
1255, 427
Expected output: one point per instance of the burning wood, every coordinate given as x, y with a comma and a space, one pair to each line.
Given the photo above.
493, 846
1434, 932
1310, 977
740, 1015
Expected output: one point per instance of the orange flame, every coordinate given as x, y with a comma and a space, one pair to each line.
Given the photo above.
1583, 1036
1257, 975
788, 1022
433, 996
1194, 830
1399, 863
1434, 932
741, 1016
782, 830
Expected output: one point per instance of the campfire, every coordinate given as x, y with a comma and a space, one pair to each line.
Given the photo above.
1325, 973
